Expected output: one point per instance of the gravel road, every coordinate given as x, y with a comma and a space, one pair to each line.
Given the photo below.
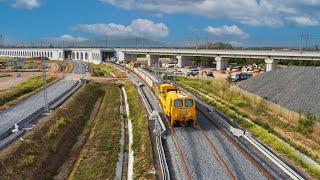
15, 113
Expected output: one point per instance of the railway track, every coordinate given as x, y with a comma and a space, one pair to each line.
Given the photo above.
22, 122
216, 153
245, 154
222, 153
260, 156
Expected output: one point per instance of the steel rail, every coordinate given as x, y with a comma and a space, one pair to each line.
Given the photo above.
158, 120
155, 115
246, 135
217, 154
242, 133
245, 154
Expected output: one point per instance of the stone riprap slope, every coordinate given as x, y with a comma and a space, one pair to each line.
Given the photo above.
296, 88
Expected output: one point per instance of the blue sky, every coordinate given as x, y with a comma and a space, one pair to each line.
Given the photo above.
241, 22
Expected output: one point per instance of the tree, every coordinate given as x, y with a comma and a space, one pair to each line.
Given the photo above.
216, 45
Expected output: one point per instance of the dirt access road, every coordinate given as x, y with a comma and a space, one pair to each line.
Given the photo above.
8, 82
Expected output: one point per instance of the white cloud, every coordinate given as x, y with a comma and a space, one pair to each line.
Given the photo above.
26, 4
68, 39
303, 21
271, 13
141, 28
227, 31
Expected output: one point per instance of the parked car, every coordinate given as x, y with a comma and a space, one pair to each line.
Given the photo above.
210, 74
240, 76
178, 72
192, 72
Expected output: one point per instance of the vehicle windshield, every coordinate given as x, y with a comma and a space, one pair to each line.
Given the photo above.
168, 90
189, 102
178, 103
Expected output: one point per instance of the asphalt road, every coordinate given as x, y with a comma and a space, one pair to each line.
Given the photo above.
17, 112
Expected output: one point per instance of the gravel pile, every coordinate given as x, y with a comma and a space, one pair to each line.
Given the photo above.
296, 88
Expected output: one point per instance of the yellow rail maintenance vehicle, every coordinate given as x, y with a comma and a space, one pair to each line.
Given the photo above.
135, 65
177, 106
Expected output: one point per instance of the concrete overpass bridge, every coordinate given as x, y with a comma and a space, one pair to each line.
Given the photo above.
98, 55
221, 56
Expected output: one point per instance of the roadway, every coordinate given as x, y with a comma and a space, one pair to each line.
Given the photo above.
16, 113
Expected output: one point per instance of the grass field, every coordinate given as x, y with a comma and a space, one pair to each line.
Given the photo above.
22, 89
5, 75
143, 160
65, 66
49, 145
103, 70
100, 154
260, 121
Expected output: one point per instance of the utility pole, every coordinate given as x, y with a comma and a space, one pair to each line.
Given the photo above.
301, 37
44, 78
1, 40
307, 38
136, 42
197, 42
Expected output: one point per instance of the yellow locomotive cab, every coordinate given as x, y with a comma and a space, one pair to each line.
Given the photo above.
162, 92
178, 107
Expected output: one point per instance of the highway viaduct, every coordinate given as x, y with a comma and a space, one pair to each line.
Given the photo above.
98, 55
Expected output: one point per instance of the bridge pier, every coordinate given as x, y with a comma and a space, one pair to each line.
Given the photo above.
152, 59
272, 64
222, 63
183, 61
130, 57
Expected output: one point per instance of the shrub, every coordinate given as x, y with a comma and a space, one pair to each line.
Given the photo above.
305, 124
229, 79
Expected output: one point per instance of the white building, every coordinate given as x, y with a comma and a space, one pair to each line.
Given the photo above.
92, 55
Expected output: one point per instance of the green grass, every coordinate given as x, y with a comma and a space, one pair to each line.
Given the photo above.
100, 154
99, 71
143, 160
23, 89
64, 66
49, 145
5, 75
218, 95
103, 70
